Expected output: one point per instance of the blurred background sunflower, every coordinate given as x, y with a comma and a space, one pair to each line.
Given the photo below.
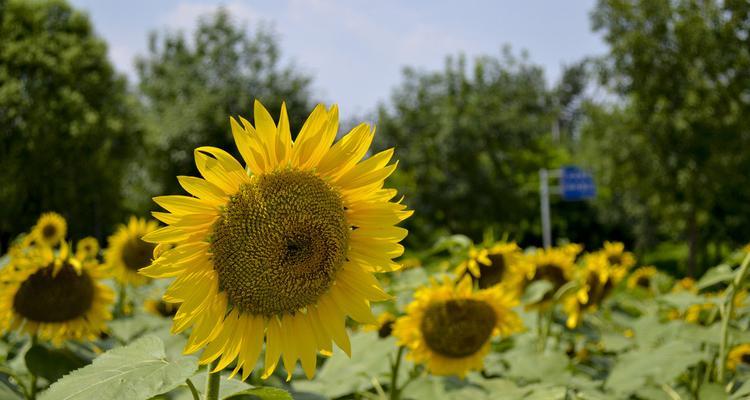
55, 297
127, 252
50, 229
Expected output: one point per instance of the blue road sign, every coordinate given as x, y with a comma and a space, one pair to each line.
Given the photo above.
576, 184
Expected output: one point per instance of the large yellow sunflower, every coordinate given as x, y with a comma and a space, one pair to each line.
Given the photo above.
281, 251
449, 327
55, 297
597, 278
50, 229
497, 264
127, 252
555, 265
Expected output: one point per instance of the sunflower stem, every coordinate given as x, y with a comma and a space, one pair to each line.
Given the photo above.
395, 366
32, 383
213, 381
726, 316
122, 295
193, 389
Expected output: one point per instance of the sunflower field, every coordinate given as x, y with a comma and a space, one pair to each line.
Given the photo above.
203, 226
276, 279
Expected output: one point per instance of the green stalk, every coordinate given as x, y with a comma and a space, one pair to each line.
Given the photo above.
121, 298
32, 384
193, 389
213, 382
395, 366
726, 316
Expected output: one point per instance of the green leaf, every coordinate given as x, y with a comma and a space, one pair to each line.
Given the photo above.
341, 375
536, 291
6, 393
658, 365
51, 364
712, 391
127, 329
137, 371
718, 274
261, 393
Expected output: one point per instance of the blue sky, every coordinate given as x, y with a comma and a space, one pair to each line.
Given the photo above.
355, 50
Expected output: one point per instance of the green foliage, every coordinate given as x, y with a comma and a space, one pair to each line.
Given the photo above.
670, 155
137, 371
192, 86
470, 145
261, 393
51, 364
68, 123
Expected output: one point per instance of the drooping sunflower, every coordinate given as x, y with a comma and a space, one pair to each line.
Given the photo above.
642, 277
555, 265
87, 248
449, 327
739, 355
55, 296
50, 229
496, 264
127, 252
281, 251
597, 279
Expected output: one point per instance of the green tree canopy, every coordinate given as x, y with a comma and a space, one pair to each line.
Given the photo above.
674, 150
67, 126
192, 86
471, 141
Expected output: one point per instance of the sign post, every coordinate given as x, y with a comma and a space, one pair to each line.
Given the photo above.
575, 185
544, 198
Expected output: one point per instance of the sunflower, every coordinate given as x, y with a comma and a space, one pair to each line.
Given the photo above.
127, 252
384, 325
495, 265
642, 278
160, 307
685, 285
87, 248
55, 297
739, 355
597, 278
284, 250
50, 229
617, 256
449, 326
555, 265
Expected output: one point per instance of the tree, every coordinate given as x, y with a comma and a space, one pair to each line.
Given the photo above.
471, 144
67, 123
191, 87
682, 69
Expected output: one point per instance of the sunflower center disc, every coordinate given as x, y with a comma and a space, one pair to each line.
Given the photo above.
614, 259
458, 328
49, 231
280, 242
137, 254
46, 298
745, 358
492, 274
643, 282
